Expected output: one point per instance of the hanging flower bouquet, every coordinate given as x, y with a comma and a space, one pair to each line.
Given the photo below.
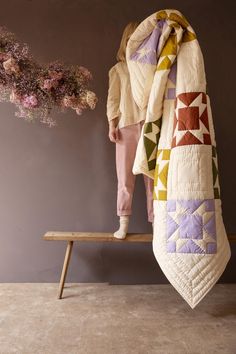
37, 89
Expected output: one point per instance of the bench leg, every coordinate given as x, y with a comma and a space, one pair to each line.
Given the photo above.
65, 267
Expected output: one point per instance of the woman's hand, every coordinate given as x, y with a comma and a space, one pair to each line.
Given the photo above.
113, 130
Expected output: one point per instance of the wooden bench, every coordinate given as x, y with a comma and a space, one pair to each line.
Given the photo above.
70, 237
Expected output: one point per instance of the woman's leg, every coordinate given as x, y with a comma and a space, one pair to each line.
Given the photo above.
125, 155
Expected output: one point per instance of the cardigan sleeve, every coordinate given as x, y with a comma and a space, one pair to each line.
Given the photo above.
113, 98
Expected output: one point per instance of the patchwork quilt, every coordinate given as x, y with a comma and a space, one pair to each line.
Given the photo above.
177, 149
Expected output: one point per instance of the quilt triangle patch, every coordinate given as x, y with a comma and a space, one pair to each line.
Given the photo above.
189, 139
188, 97
190, 247
165, 64
204, 119
149, 146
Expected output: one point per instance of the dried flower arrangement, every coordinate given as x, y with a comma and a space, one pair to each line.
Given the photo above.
38, 89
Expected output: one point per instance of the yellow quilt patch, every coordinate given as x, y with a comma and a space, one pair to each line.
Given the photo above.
161, 174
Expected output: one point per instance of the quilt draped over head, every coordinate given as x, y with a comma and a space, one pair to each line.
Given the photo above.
177, 149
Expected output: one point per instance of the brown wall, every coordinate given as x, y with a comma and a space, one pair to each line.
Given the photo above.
64, 178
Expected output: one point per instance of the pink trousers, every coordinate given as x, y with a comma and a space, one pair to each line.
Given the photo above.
125, 155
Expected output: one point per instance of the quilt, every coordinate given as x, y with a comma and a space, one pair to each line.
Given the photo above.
177, 148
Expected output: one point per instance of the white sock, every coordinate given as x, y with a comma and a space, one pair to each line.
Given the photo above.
124, 224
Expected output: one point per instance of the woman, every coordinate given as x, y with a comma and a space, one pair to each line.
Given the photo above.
125, 125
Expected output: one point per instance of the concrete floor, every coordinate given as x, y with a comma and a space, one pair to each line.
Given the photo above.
117, 319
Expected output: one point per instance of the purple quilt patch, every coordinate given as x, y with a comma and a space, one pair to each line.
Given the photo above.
171, 94
173, 73
191, 226
146, 53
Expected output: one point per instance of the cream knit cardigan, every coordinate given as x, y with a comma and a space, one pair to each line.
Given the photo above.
120, 102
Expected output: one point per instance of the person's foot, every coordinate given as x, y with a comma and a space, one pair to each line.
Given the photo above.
122, 231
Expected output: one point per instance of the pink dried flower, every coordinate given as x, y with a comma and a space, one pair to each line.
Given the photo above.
69, 101
48, 84
48, 121
36, 89
30, 101
55, 74
85, 72
83, 75
15, 97
91, 99
20, 114
4, 56
11, 66
79, 111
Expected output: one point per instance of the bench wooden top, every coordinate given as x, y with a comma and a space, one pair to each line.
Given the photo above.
94, 236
